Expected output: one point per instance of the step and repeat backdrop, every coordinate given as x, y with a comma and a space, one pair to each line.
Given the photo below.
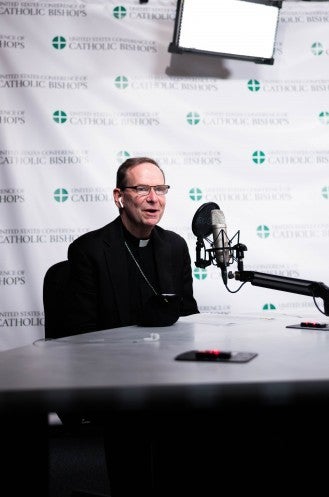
86, 84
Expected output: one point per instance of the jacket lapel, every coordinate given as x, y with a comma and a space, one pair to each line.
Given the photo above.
115, 257
163, 259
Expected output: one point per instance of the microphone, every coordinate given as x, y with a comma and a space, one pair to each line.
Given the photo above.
201, 227
222, 254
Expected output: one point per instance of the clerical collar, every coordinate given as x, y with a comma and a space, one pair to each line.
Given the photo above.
131, 239
143, 243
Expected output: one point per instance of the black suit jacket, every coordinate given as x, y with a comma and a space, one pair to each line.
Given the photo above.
99, 288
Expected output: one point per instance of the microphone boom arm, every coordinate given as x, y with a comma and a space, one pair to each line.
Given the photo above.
285, 284
202, 227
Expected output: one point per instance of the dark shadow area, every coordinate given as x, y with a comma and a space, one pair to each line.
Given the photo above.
196, 65
77, 462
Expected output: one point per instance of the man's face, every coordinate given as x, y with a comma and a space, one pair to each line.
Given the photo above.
141, 213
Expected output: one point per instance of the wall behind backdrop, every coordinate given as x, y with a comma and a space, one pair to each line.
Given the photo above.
84, 85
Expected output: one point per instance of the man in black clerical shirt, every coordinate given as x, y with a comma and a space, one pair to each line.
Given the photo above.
117, 269
115, 272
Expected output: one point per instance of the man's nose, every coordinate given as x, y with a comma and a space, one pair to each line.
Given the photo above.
152, 195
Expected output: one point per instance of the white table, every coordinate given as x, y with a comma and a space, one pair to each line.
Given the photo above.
132, 371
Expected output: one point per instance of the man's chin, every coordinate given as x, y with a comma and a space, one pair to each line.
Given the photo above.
151, 220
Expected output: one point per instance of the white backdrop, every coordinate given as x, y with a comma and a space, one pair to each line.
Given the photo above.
83, 85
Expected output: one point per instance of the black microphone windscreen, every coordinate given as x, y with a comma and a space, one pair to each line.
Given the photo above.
202, 223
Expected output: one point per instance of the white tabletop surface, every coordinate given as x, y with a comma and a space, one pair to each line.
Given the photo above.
133, 365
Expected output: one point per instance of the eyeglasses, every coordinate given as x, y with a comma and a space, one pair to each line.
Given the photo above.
145, 189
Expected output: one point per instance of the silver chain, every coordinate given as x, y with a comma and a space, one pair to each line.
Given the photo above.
141, 271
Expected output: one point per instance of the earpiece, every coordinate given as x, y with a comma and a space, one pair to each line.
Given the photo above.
120, 202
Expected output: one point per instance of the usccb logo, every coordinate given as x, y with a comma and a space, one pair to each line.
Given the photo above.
164, 12
253, 193
289, 86
292, 305
98, 194
324, 117
22, 319
59, 116
157, 83
104, 43
200, 273
119, 12
258, 157
290, 158
263, 231
122, 156
193, 118
253, 85
61, 195
83, 118
325, 192
317, 48
59, 42
294, 231
121, 82
269, 307
195, 194
238, 119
